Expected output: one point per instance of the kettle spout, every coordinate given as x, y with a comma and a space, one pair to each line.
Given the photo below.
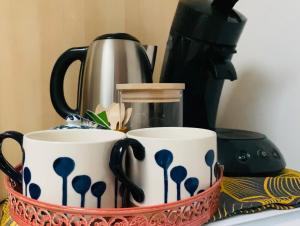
151, 52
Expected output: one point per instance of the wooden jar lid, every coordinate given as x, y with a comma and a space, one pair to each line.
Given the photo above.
150, 92
151, 86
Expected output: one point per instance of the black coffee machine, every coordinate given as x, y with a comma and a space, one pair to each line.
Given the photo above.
202, 41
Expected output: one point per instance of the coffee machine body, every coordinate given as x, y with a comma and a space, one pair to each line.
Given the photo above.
201, 44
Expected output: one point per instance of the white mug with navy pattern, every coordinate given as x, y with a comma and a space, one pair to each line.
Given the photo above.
178, 163
67, 167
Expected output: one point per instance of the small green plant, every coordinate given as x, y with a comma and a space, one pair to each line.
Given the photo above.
100, 119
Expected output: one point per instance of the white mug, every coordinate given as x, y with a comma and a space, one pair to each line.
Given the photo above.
179, 163
68, 167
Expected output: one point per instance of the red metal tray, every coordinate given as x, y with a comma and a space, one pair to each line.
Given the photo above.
193, 211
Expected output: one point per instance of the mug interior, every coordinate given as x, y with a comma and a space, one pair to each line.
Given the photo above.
75, 136
172, 133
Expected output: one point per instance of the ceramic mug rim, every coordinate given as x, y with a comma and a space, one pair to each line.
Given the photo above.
110, 136
198, 133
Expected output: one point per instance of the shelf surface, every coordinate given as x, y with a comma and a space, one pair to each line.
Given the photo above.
269, 217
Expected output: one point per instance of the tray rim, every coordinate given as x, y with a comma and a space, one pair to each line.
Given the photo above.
111, 211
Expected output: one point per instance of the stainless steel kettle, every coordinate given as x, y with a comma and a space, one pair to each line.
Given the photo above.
110, 59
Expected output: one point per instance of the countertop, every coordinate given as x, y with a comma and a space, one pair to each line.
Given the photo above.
265, 218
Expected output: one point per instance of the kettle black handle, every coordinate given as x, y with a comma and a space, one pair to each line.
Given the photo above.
5, 166
57, 79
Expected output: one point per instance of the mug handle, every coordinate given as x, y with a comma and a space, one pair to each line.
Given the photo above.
5, 166
116, 160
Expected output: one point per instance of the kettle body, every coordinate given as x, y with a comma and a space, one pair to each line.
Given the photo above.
109, 60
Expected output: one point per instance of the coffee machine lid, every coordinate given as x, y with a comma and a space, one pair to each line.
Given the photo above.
214, 22
123, 36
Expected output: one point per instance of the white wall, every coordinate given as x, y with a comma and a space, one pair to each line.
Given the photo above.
265, 98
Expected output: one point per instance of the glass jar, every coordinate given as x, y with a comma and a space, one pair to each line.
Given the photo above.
150, 105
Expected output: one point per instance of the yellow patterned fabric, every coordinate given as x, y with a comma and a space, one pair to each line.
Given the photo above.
5, 219
242, 195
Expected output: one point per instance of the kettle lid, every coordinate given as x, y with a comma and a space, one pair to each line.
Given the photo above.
123, 36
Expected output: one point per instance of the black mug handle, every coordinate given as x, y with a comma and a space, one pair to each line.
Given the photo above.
116, 160
57, 79
5, 166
